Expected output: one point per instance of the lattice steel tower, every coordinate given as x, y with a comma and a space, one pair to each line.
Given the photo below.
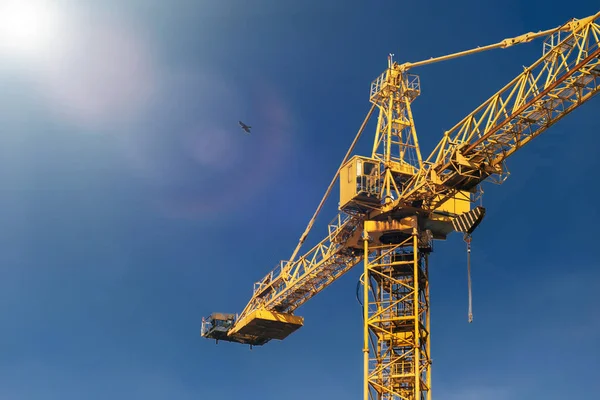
393, 205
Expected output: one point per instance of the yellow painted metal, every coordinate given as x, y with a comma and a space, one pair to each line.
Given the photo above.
475, 150
347, 183
365, 317
268, 325
359, 184
396, 305
396, 312
506, 43
291, 284
396, 143
570, 60
459, 203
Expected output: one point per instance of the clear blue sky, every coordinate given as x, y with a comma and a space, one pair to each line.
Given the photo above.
132, 204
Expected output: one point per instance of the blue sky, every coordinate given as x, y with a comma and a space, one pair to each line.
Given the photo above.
132, 205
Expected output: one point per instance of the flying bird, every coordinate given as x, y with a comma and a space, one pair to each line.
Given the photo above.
245, 127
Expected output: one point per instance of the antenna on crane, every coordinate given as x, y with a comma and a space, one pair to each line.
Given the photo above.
390, 60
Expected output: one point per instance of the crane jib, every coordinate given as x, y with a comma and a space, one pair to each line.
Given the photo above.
390, 218
585, 61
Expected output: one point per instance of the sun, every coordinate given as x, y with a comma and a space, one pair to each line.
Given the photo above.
27, 27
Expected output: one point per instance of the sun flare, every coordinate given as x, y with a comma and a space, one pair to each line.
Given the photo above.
27, 27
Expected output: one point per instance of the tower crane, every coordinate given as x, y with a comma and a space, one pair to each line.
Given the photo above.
394, 204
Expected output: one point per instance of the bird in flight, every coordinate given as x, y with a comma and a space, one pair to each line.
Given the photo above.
245, 127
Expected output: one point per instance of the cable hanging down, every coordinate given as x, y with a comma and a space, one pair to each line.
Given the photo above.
466, 223
467, 239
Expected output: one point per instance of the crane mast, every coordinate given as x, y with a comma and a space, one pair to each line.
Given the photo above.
394, 205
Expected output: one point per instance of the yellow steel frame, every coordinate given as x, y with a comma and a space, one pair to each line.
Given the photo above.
291, 284
397, 356
475, 149
396, 144
397, 323
565, 77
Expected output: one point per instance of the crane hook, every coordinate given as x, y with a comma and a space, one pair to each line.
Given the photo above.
467, 240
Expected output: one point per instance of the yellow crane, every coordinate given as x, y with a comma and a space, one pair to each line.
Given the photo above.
394, 204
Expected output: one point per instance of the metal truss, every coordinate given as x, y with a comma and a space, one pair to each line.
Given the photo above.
396, 145
566, 76
397, 360
291, 284
396, 310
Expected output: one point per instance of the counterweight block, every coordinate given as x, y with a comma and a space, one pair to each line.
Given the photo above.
269, 324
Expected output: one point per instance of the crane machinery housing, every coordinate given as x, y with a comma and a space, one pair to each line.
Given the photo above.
393, 204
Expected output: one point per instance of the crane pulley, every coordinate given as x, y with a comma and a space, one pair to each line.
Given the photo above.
394, 204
